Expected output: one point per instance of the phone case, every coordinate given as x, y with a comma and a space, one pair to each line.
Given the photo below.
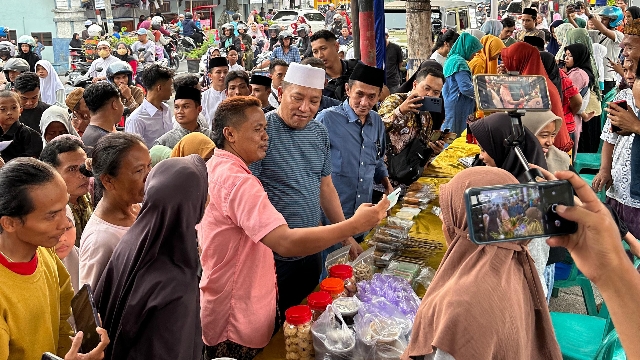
431, 104
86, 317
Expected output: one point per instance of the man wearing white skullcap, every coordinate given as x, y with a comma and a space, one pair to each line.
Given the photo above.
296, 174
98, 68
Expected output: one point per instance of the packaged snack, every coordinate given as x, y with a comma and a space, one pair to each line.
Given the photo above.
332, 338
333, 286
318, 302
297, 333
363, 266
348, 308
345, 273
340, 256
396, 221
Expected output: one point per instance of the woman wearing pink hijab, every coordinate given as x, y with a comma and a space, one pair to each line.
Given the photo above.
485, 301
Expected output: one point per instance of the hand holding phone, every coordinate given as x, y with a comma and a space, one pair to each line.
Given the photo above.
518, 212
622, 104
411, 105
86, 318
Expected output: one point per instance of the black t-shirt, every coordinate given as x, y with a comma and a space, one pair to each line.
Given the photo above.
26, 142
335, 87
392, 65
31, 117
91, 136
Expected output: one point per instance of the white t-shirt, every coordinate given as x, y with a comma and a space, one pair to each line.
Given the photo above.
613, 52
439, 58
99, 239
235, 67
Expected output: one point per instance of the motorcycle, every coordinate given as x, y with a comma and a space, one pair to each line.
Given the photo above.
259, 60
171, 49
143, 64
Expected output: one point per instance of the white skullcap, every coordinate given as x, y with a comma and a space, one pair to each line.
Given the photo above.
105, 43
305, 75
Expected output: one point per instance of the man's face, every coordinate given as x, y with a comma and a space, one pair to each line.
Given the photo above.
186, 111
48, 221
237, 87
528, 22
325, 51
69, 169
181, 18
217, 75
261, 92
278, 75
429, 86
232, 57
142, 38
286, 42
605, 21
29, 99
506, 32
362, 97
344, 32
631, 47
166, 88
121, 79
24, 48
82, 117
621, 4
629, 72
298, 105
250, 139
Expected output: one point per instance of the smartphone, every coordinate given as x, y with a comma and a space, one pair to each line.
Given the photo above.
86, 318
448, 137
562, 64
393, 198
435, 135
431, 104
622, 104
50, 356
518, 212
510, 92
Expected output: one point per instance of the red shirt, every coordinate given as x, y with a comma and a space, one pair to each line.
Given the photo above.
568, 91
21, 268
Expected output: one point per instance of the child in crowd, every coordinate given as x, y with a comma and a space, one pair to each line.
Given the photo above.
24, 140
68, 252
232, 57
51, 88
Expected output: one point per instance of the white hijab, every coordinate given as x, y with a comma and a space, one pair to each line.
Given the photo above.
50, 84
56, 113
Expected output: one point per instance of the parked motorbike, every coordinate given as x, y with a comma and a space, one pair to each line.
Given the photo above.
172, 50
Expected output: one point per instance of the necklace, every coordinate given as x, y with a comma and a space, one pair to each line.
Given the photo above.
8, 258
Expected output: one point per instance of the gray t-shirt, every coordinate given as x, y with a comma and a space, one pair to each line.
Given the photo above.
149, 48
291, 172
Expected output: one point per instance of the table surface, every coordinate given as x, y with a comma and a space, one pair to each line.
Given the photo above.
427, 225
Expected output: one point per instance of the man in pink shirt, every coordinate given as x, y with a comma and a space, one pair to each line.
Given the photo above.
241, 229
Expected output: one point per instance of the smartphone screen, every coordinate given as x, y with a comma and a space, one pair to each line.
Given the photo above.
518, 212
509, 92
622, 104
86, 318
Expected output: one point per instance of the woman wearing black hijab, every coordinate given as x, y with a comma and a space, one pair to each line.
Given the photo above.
551, 66
148, 296
491, 131
581, 60
75, 42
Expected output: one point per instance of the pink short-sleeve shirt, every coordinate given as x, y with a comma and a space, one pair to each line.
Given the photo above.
238, 286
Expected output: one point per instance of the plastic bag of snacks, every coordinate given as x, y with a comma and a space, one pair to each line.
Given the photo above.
332, 339
340, 256
297, 333
363, 266
405, 270
381, 331
397, 291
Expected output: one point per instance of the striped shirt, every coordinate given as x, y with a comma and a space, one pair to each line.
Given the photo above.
173, 136
291, 172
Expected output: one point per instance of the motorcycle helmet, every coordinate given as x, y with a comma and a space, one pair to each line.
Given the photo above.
94, 30
336, 17
5, 50
156, 22
285, 35
188, 15
274, 29
303, 30
227, 26
243, 26
117, 68
26, 39
15, 64
614, 13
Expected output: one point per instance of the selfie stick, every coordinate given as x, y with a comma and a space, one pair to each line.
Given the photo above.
517, 138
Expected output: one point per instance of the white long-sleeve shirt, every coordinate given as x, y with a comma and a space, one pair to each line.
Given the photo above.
149, 122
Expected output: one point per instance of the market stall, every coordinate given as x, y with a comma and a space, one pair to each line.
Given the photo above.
403, 252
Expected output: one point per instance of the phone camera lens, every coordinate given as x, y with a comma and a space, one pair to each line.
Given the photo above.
557, 223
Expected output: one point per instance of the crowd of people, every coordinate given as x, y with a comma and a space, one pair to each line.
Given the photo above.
198, 224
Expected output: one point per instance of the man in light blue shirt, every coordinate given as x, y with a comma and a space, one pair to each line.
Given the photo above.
152, 118
357, 140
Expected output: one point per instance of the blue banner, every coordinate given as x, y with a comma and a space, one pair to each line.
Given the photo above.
379, 26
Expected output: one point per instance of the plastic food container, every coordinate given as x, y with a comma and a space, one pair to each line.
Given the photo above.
345, 273
318, 302
333, 286
297, 332
348, 308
